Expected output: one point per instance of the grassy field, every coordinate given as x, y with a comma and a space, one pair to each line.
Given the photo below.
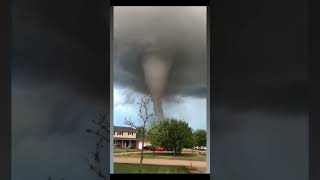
125, 150
134, 168
196, 156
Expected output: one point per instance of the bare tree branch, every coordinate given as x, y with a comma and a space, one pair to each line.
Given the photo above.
144, 115
103, 134
130, 123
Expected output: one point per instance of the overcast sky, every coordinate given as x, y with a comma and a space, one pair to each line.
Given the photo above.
179, 34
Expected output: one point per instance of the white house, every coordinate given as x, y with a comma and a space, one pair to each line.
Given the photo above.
126, 137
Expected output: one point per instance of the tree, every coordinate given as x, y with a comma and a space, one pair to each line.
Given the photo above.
174, 134
200, 137
145, 116
102, 131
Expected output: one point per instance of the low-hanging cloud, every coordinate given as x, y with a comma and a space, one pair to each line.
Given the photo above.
161, 51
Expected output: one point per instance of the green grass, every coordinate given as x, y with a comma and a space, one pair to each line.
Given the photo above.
120, 168
125, 150
196, 156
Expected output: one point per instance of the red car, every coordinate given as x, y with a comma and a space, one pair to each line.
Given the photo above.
159, 149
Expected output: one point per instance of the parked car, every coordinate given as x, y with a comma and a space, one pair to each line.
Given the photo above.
196, 148
201, 148
158, 148
148, 147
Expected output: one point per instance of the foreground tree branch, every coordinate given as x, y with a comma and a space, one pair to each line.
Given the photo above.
102, 131
144, 116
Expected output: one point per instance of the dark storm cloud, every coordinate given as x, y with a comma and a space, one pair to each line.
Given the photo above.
259, 90
61, 42
59, 84
278, 96
179, 33
259, 57
41, 111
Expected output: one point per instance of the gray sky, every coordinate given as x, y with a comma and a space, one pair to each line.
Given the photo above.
179, 35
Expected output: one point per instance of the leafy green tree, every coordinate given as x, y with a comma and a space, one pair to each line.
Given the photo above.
200, 137
174, 134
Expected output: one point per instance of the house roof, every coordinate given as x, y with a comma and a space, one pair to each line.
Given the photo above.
122, 128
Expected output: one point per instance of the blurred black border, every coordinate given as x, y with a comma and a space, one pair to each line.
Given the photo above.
314, 89
160, 3
228, 12
5, 91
